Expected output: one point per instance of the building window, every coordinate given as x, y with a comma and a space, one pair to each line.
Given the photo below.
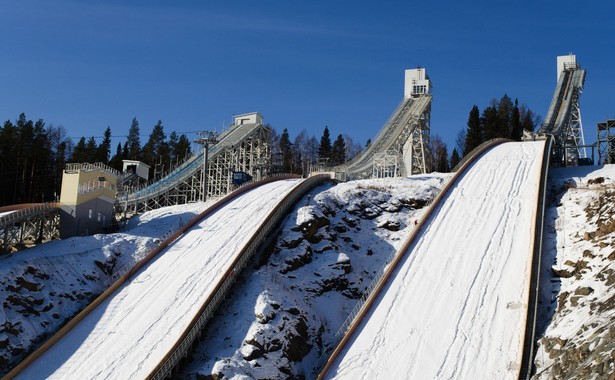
99, 217
90, 213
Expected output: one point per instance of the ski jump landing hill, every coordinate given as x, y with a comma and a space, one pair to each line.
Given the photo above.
456, 300
146, 322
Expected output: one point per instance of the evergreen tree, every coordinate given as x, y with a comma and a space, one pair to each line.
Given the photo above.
368, 143
489, 121
125, 151
134, 141
183, 148
8, 167
455, 159
504, 113
104, 149
91, 150
474, 133
173, 154
338, 151
156, 152
41, 168
516, 129
116, 161
324, 150
79, 154
285, 147
528, 120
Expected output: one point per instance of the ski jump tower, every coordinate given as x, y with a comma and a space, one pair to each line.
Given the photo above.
401, 148
564, 117
244, 147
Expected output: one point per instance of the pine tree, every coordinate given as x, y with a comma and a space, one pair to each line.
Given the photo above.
504, 112
338, 151
91, 150
104, 149
489, 122
155, 152
528, 119
116, 161
286, 152
8, 167
79, 154
183, 147
516, 129
324, 150
134, 141
368, 143
474, 133
455, 159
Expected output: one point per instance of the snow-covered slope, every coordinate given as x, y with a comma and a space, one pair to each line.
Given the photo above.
456, 305
578, 276
284, 315
43, 286
130, 332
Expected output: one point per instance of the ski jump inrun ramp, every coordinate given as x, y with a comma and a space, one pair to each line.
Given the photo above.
457, 301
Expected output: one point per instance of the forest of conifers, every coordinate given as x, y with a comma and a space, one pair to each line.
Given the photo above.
33, 154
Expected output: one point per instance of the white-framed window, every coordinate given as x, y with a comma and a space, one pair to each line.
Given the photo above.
90, 213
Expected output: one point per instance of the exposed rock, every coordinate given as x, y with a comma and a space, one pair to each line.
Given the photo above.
562, 272
297, 260
31, 286
584, 291
390, 225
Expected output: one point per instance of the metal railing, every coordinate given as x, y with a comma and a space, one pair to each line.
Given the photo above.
87, 167
94, 185
27, 212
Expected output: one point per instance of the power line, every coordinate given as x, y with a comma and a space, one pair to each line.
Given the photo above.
126, 136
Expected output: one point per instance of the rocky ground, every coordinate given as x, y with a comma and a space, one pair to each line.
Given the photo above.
578, 279
303, 288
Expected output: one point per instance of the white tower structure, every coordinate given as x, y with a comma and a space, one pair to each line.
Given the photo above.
401, 148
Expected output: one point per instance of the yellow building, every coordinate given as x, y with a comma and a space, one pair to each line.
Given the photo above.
87, 198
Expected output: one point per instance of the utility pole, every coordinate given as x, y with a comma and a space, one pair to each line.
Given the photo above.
206, 138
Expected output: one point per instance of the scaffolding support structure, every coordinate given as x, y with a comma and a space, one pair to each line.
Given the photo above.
573, 137
606, 142
208, 174
251, 155
31, 225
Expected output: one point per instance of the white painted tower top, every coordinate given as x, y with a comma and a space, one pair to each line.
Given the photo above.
248, 118
417, 82
565, 62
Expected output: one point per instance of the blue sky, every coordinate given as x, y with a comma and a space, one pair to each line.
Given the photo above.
193, 64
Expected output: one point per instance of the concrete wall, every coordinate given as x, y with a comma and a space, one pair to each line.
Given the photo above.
89, 218
248, 118
86, 202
